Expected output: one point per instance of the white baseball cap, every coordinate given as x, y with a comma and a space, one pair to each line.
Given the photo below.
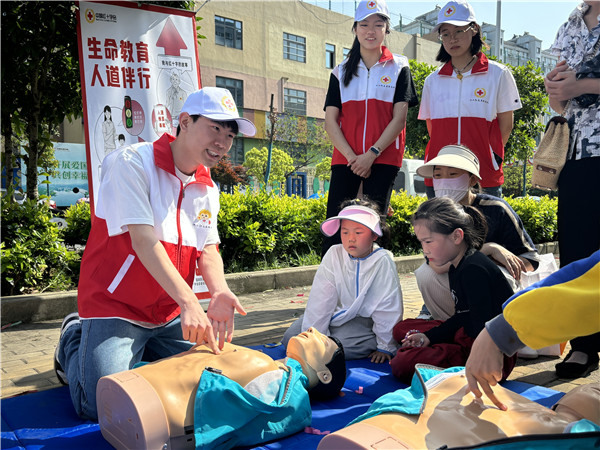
359, 214
367, 8
455, 156
457, 12
217, 104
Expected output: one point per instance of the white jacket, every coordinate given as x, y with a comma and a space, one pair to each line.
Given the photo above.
345, 287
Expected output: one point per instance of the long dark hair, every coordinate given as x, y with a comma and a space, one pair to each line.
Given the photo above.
351, 66
476, 45
444, 216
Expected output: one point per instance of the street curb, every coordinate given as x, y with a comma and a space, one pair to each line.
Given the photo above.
56, 305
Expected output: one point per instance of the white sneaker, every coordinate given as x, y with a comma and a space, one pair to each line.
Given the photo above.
527, 353
424, 316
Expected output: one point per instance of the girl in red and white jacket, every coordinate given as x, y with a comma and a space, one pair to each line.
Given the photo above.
365, 114
469, 100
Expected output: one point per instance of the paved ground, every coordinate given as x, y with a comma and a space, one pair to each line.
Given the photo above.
28, 349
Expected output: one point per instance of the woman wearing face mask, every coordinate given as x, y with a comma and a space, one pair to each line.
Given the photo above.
455, 173
469, 100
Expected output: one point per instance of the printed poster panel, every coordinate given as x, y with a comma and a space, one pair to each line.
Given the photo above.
71, 180
138, 65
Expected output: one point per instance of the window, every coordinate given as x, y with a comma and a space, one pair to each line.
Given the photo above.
329, 56
236, 87
346, 52
236, 154
294, 47
295, 101
228, 32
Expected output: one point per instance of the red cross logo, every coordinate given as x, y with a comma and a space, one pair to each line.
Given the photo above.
480, 92
372, 5
449, 11
89, 15
385, 79
228, 103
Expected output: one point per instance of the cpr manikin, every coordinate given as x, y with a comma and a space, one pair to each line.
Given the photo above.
450, 416
153, 406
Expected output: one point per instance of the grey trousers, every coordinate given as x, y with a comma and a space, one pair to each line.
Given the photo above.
356, 336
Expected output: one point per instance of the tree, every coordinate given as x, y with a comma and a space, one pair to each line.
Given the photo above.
323, 169
416, 130
528, 125
40, 78
226, 174
303, 138
282, 164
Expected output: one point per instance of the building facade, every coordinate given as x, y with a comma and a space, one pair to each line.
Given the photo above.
284, 49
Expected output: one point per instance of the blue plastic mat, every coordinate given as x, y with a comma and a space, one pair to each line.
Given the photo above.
47, 419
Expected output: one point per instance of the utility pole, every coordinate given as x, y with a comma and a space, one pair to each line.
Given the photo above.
272, 118
497, 53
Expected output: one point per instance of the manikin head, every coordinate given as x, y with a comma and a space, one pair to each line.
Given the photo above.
322, 360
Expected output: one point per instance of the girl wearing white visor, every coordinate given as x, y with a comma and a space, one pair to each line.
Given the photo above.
355, 295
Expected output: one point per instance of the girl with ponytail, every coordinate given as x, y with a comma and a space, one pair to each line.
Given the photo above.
365, 114
452, 234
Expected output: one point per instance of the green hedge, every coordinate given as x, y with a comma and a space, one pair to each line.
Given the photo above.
538, 215
263, 230
257, 230
79, 224
34, 257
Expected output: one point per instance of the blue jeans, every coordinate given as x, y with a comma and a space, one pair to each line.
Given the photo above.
97, 347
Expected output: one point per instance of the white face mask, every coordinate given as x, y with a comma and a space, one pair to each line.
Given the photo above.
454, 188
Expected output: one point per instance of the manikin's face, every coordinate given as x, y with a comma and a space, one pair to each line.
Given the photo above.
357, 239
313, 350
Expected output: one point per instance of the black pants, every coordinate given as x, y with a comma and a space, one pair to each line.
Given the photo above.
344, 185
579, 224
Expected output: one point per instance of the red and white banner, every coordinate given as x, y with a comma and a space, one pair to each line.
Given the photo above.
138, 63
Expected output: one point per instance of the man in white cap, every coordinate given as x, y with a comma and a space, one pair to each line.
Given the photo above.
135, 300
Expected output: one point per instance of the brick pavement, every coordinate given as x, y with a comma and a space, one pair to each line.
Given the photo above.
27, 349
